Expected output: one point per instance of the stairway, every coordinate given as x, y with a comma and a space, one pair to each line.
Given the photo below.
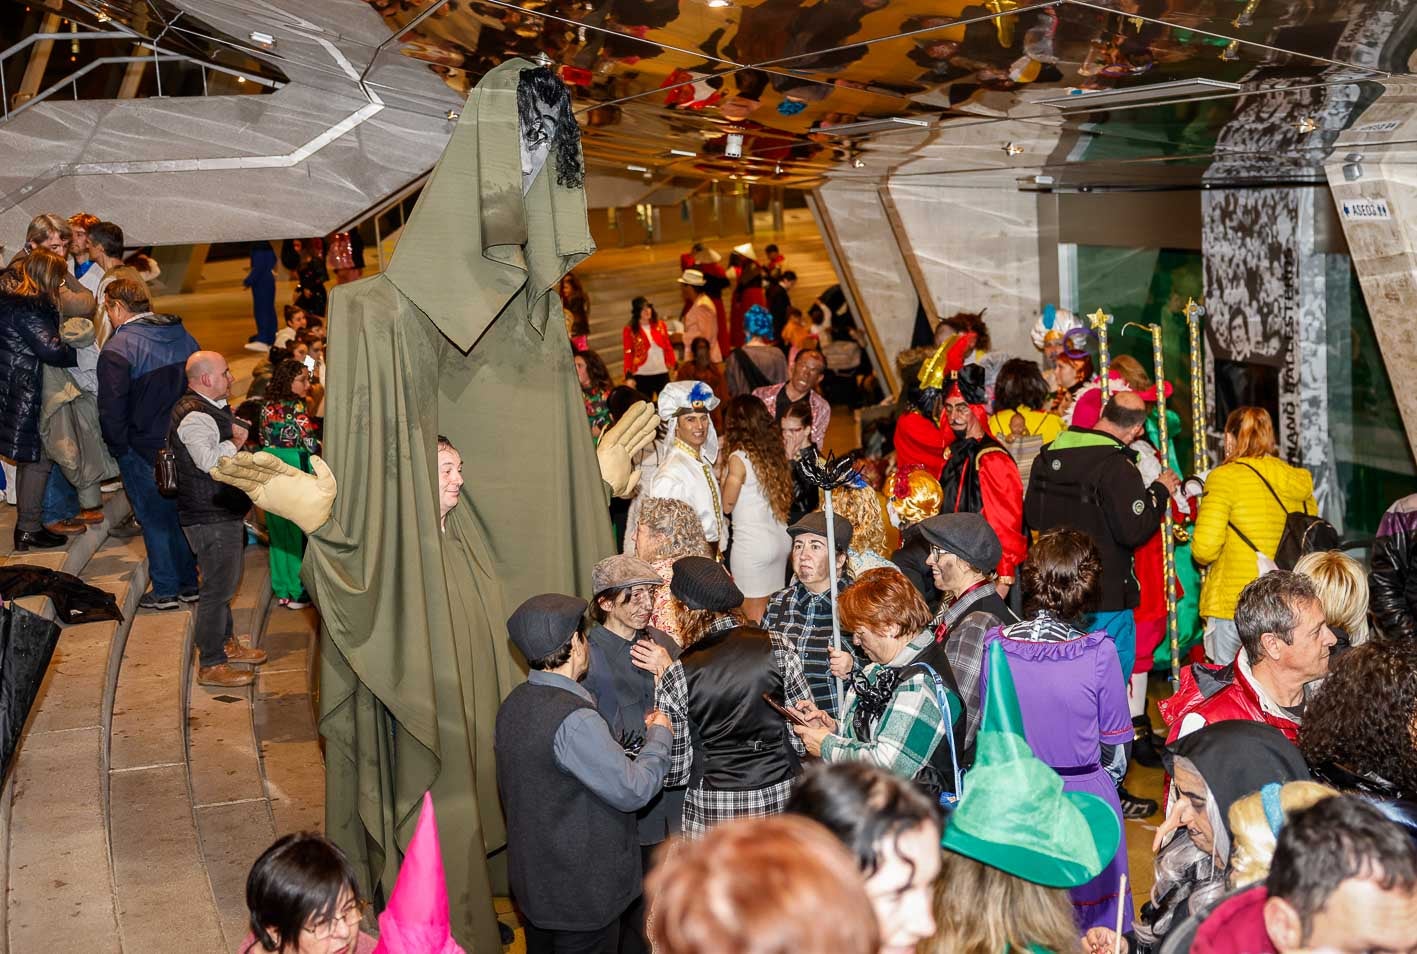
138, 800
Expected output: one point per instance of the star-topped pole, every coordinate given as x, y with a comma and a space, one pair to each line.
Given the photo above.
1200, 454
828, 475
1098, 321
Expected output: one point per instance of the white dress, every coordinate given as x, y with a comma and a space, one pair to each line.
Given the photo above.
761, 545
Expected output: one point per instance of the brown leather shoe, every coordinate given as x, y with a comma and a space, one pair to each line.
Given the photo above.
236, 652
67, 527
91, 516
223, 676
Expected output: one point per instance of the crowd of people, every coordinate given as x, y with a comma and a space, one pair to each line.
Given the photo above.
117, 395
972, 685
907, 691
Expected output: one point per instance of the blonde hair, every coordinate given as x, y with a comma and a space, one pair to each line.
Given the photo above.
982, 910
1253, 433
1132, 372
1342, 588
862, 506
1252, 839
44, 225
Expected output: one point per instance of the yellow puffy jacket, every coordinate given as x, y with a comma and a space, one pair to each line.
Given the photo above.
1233, 494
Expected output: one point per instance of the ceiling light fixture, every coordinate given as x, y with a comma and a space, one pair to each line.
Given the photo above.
1083, 100
1013, 149
264, 40
719, 4
858, 163
733, 146
683, 152
452, 115
777, 169
872, 125
1307, 125
634, 168
1353, 171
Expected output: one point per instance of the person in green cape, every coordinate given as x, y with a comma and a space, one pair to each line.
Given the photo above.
1015, 842
456, 347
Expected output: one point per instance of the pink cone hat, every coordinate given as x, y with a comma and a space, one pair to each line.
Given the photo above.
416, 919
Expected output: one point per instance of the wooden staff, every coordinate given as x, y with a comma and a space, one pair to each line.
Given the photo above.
1168, 540
1200, 453
1099, 320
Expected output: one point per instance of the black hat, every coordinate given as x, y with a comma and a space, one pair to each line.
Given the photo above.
544, 623
966, 535
703, 584
816, 522
970, 380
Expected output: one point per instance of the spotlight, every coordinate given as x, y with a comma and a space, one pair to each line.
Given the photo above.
1353, 171
263, 40
719, 4
733, 146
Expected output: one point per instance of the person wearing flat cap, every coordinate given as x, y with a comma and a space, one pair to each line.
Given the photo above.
569, 789
802, 612
731, 748
963, 554
627, 658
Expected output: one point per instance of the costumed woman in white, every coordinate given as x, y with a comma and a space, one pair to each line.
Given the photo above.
757, 494
686, 455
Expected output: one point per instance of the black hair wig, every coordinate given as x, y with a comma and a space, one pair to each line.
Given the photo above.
541, 85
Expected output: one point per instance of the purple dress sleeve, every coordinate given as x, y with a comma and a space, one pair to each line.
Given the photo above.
1114, 715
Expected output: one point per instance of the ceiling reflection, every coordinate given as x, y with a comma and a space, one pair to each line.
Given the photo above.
664, 84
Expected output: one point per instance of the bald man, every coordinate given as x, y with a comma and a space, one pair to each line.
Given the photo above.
212, 516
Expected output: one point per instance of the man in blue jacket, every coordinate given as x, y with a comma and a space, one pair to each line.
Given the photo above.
141, 374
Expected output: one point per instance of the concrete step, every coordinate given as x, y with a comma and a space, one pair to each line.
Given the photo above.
57, 868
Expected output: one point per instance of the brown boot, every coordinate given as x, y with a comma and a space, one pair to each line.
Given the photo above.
91, 516
245, 655
223, 676
67, 527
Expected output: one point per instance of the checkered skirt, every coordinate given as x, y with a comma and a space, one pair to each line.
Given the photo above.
706, 807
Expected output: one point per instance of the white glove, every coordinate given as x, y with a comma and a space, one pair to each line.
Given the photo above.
620, 445
276, 487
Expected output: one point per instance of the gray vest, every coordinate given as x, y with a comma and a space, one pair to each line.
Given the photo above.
573, 861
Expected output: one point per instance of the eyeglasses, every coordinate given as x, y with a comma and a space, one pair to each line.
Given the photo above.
352, 915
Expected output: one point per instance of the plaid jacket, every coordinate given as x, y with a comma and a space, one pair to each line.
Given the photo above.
804, 619
962, 630
912, 727
705, 807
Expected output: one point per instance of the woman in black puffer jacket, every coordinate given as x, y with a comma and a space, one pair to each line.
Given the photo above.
29, 337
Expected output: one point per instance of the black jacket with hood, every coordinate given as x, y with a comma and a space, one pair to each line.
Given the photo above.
29, 338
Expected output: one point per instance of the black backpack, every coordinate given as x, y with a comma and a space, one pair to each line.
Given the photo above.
1303, 532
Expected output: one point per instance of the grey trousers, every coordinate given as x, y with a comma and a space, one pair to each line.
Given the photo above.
1222, 640
217, 547
30, 479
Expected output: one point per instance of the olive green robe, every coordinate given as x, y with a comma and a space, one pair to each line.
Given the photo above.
460, 336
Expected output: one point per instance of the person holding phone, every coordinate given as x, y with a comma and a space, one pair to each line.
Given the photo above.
289, 432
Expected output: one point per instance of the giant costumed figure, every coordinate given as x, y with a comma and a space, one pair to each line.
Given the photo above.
460, 336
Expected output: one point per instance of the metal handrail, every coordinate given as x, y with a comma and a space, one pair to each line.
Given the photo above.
159, 55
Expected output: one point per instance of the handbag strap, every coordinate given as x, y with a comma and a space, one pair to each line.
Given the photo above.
1272, 492
942, 699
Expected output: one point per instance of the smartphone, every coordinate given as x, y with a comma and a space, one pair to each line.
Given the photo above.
310, 362
791, 715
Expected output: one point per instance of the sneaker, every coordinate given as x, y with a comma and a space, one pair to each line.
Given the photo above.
153, 601
110, 486
189, 596
127, 527
299, 604
1133, 807
224, 677
257, 346
238, 652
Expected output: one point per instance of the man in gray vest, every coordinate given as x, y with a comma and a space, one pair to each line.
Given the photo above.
557, 761
211, 514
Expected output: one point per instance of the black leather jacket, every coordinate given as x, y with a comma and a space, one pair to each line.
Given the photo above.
29, 337
1392, 584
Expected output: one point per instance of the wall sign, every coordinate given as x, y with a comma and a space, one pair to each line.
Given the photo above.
1363, 209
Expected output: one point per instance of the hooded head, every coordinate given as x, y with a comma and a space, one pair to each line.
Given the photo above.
416, 920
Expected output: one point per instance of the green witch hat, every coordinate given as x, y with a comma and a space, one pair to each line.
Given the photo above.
1014, 814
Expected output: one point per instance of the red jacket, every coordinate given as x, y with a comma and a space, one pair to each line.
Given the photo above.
637, 345
1003, 508
1218, 693
1236, 926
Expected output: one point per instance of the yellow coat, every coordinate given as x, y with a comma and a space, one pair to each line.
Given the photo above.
1233, 494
